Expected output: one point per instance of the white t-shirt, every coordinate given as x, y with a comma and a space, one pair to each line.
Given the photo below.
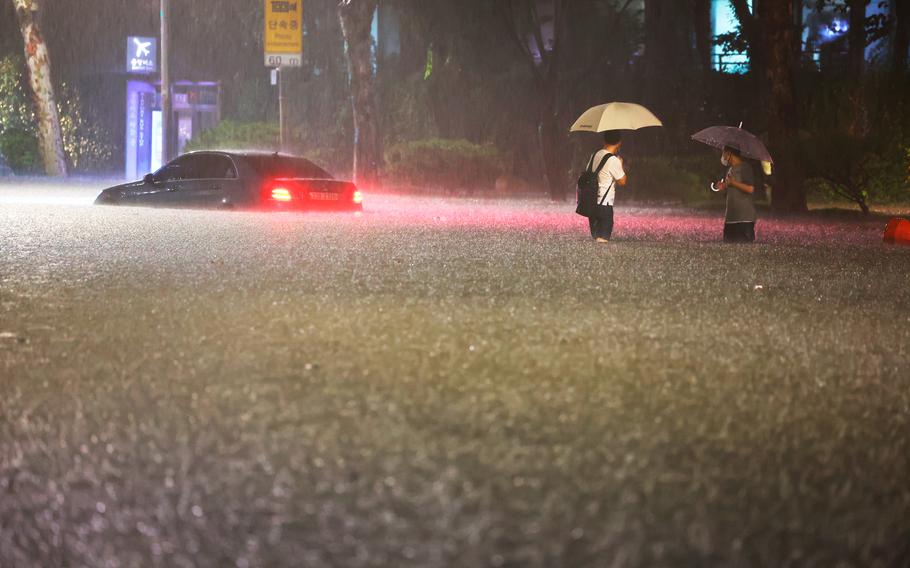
611, 172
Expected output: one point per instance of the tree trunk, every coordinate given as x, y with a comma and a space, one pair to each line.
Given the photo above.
901, 35
553, 149
552, 134
704, 35
857, 37
857, 56
776, 39
752, 31
50, 138
356, 25
673, 65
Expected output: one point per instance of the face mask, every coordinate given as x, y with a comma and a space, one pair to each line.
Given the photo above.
725, 160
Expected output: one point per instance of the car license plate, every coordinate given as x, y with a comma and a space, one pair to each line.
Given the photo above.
323, 196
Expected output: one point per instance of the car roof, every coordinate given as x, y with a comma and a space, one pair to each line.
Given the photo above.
247, 154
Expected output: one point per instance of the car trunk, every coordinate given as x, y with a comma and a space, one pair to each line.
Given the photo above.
311, 194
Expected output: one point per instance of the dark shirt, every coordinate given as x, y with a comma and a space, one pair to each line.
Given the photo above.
740, 205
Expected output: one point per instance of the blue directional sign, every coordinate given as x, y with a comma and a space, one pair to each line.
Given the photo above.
141, 55
140, 128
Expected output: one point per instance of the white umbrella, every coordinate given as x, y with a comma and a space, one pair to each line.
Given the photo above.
615, 116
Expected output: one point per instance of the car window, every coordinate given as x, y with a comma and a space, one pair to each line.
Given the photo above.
181, 168
213, 166
285, 167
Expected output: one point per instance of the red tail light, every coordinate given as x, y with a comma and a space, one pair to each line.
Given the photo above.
281, 194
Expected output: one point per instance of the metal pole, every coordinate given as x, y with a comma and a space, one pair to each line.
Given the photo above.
165, 82
281, 136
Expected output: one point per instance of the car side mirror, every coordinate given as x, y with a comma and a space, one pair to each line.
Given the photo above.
149, 178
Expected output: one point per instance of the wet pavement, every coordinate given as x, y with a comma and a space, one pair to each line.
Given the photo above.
440, 382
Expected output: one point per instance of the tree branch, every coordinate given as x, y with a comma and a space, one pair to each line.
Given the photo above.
507, 12
745, 17
598, 62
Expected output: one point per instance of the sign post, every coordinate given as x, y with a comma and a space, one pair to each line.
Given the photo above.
165, 80
141, 59
283, 45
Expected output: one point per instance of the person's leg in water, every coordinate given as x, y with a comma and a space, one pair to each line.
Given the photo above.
604, 223
592, 225
739, 232
749, 232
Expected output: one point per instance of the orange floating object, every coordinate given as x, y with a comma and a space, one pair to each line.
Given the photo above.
898, 232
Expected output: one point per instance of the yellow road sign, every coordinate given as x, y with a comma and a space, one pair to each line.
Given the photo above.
283, 33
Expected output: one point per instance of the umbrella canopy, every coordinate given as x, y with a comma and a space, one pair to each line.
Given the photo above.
748, 144
615, 116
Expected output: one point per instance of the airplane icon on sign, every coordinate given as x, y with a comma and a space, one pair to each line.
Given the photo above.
142, 47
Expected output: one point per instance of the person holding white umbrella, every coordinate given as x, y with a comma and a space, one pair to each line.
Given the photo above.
610, 173
610, 119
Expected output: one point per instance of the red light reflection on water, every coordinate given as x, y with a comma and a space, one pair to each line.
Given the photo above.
632, 223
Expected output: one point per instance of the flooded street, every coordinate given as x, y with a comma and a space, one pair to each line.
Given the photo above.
439, 382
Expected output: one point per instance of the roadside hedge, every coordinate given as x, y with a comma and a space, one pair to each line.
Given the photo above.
450, 165
231, 135
19, 147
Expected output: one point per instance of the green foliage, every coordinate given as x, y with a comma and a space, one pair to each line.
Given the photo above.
87, 145
842, 167
856, 138
668, 180
18, 143
445, 164
409, 114
252, 102
20, 148
231, 135
15, 111
428, 70
83, 140
327, 140
732, 42
463, 73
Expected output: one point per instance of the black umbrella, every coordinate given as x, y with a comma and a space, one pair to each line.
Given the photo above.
748, 144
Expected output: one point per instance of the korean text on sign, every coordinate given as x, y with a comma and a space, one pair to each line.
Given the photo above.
283, 33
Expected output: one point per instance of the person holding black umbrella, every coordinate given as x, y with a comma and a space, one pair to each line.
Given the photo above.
739, 185
741, 153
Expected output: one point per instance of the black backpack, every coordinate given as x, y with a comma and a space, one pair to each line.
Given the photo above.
588, 184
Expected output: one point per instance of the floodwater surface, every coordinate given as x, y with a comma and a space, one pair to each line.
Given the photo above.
439, 382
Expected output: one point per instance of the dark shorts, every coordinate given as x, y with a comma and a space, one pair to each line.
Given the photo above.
601, 225
739, 232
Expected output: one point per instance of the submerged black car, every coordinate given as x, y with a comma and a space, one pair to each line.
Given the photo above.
238, 180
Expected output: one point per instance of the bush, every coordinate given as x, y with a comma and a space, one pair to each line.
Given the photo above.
670, 180
445, 164
841, 166
18, 144
230, 135
87, 146
20, 148
5, 170
856, 138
